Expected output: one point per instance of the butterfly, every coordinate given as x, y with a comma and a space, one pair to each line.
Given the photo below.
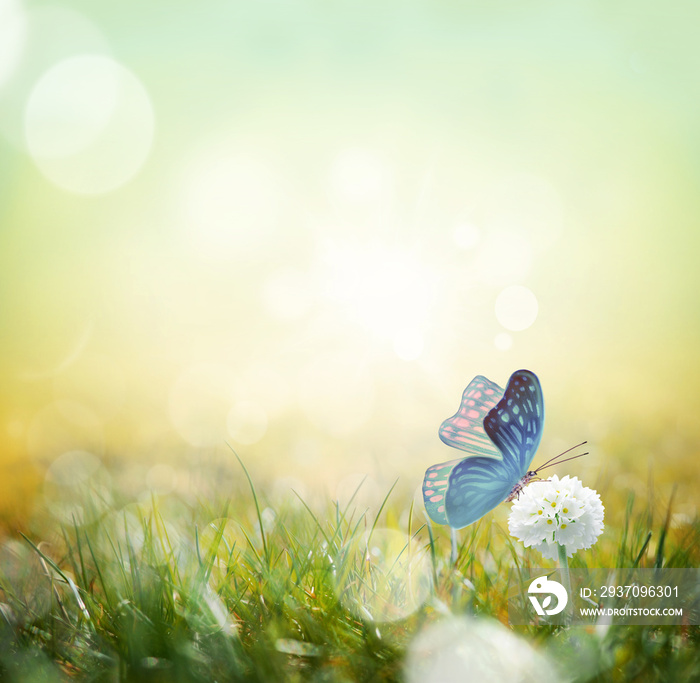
500, 432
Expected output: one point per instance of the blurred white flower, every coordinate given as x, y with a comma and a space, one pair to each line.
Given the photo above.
557, 512
459, 649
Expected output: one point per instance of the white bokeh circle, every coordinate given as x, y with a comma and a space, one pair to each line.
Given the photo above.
89, 124
77, 488
32, 40
13, 27
247, 422
516, 308
460, 649
503, 341
385, 576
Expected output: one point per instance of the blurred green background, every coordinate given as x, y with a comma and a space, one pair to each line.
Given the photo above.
302, 227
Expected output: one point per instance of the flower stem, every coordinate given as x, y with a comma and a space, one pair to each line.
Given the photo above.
566, 580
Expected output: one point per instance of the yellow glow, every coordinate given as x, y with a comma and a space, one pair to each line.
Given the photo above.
76, 346
93, 380
64, 426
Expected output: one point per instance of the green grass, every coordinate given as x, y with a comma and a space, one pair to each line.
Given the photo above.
253, 589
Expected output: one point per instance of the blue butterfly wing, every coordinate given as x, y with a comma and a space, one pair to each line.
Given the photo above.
459, 492
515, 424
476, 486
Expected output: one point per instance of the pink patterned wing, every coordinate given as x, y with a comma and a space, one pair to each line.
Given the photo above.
434, 489
465, 429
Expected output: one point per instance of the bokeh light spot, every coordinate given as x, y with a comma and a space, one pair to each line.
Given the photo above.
89, 124
77, 488
133, 526
388, 578
223, 541
12, 36
516, 308
444, 651
72, 468
247, 423
50, 35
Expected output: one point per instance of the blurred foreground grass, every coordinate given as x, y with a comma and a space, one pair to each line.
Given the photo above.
263, 587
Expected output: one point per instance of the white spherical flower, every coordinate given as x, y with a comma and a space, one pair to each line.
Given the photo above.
557, 512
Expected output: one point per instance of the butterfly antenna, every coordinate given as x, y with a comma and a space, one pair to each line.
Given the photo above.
541, 467
568, 450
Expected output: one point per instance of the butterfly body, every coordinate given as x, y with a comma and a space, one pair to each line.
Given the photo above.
499, 431
517, 489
